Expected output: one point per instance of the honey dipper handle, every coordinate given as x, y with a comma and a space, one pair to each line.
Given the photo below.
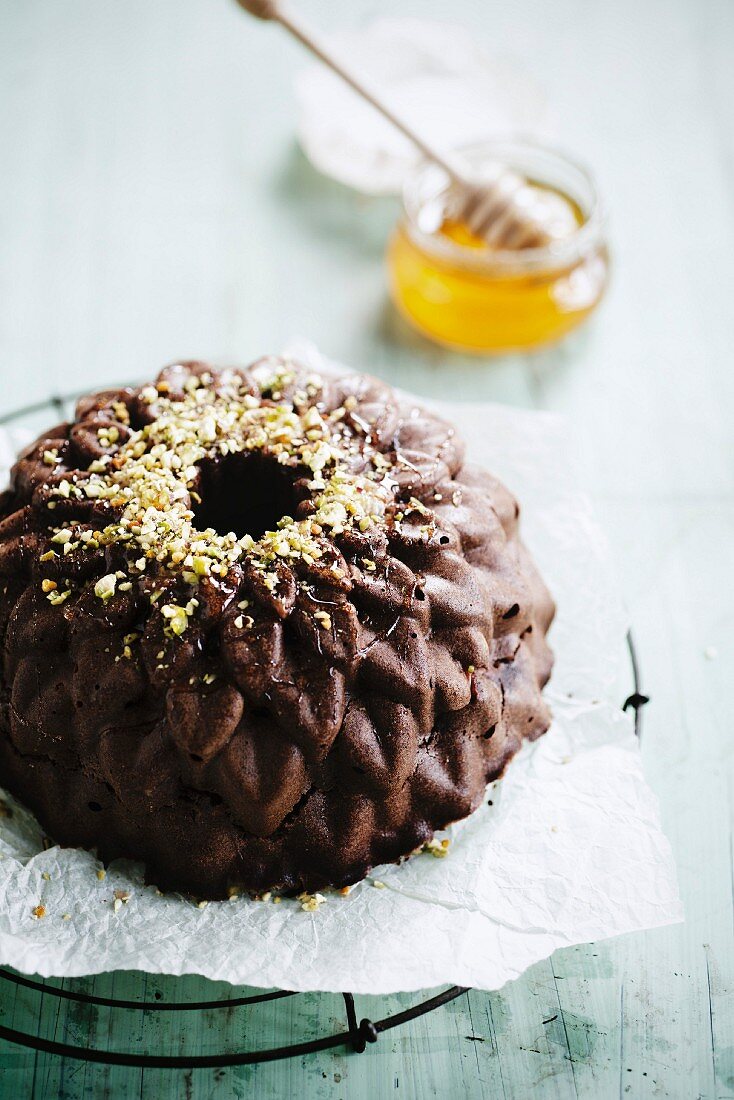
280, 13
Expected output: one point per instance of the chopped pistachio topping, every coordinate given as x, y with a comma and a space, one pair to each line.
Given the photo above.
152, 481
437, 848
105, 587
57, 598
311, 902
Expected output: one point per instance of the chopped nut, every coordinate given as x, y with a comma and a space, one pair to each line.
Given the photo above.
311, 902
105, 587
437, 848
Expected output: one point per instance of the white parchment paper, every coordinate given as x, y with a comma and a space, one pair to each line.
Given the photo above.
571, 849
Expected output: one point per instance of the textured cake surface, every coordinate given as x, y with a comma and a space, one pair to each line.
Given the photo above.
260, 628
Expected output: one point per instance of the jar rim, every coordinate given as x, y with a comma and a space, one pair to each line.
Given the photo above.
536, 161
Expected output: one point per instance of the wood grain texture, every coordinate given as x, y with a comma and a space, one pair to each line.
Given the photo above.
153, 205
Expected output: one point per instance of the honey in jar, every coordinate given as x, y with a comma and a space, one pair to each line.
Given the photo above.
458, 291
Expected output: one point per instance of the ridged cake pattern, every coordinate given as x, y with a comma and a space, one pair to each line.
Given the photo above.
260, 628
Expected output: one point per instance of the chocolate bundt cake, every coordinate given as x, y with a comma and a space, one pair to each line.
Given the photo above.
261, 628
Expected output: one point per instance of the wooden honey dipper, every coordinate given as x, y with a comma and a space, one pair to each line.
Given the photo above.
501, 207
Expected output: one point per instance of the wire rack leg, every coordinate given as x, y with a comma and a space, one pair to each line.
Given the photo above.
359, 1034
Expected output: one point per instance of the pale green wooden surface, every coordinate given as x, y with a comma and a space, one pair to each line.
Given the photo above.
152, 205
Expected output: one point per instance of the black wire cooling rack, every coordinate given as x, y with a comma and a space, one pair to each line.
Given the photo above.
356, 1034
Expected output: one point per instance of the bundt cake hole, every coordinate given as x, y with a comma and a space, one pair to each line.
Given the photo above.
245, 493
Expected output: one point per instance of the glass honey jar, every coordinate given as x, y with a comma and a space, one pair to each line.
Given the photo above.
459, 292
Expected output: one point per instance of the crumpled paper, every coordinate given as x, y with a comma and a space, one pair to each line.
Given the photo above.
567, 849
438, 76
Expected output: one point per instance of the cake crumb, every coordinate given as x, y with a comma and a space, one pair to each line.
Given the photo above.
378, 884
101, 874
39, 912
202, 904
117, 905
345, 891
66, 916
46, 876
